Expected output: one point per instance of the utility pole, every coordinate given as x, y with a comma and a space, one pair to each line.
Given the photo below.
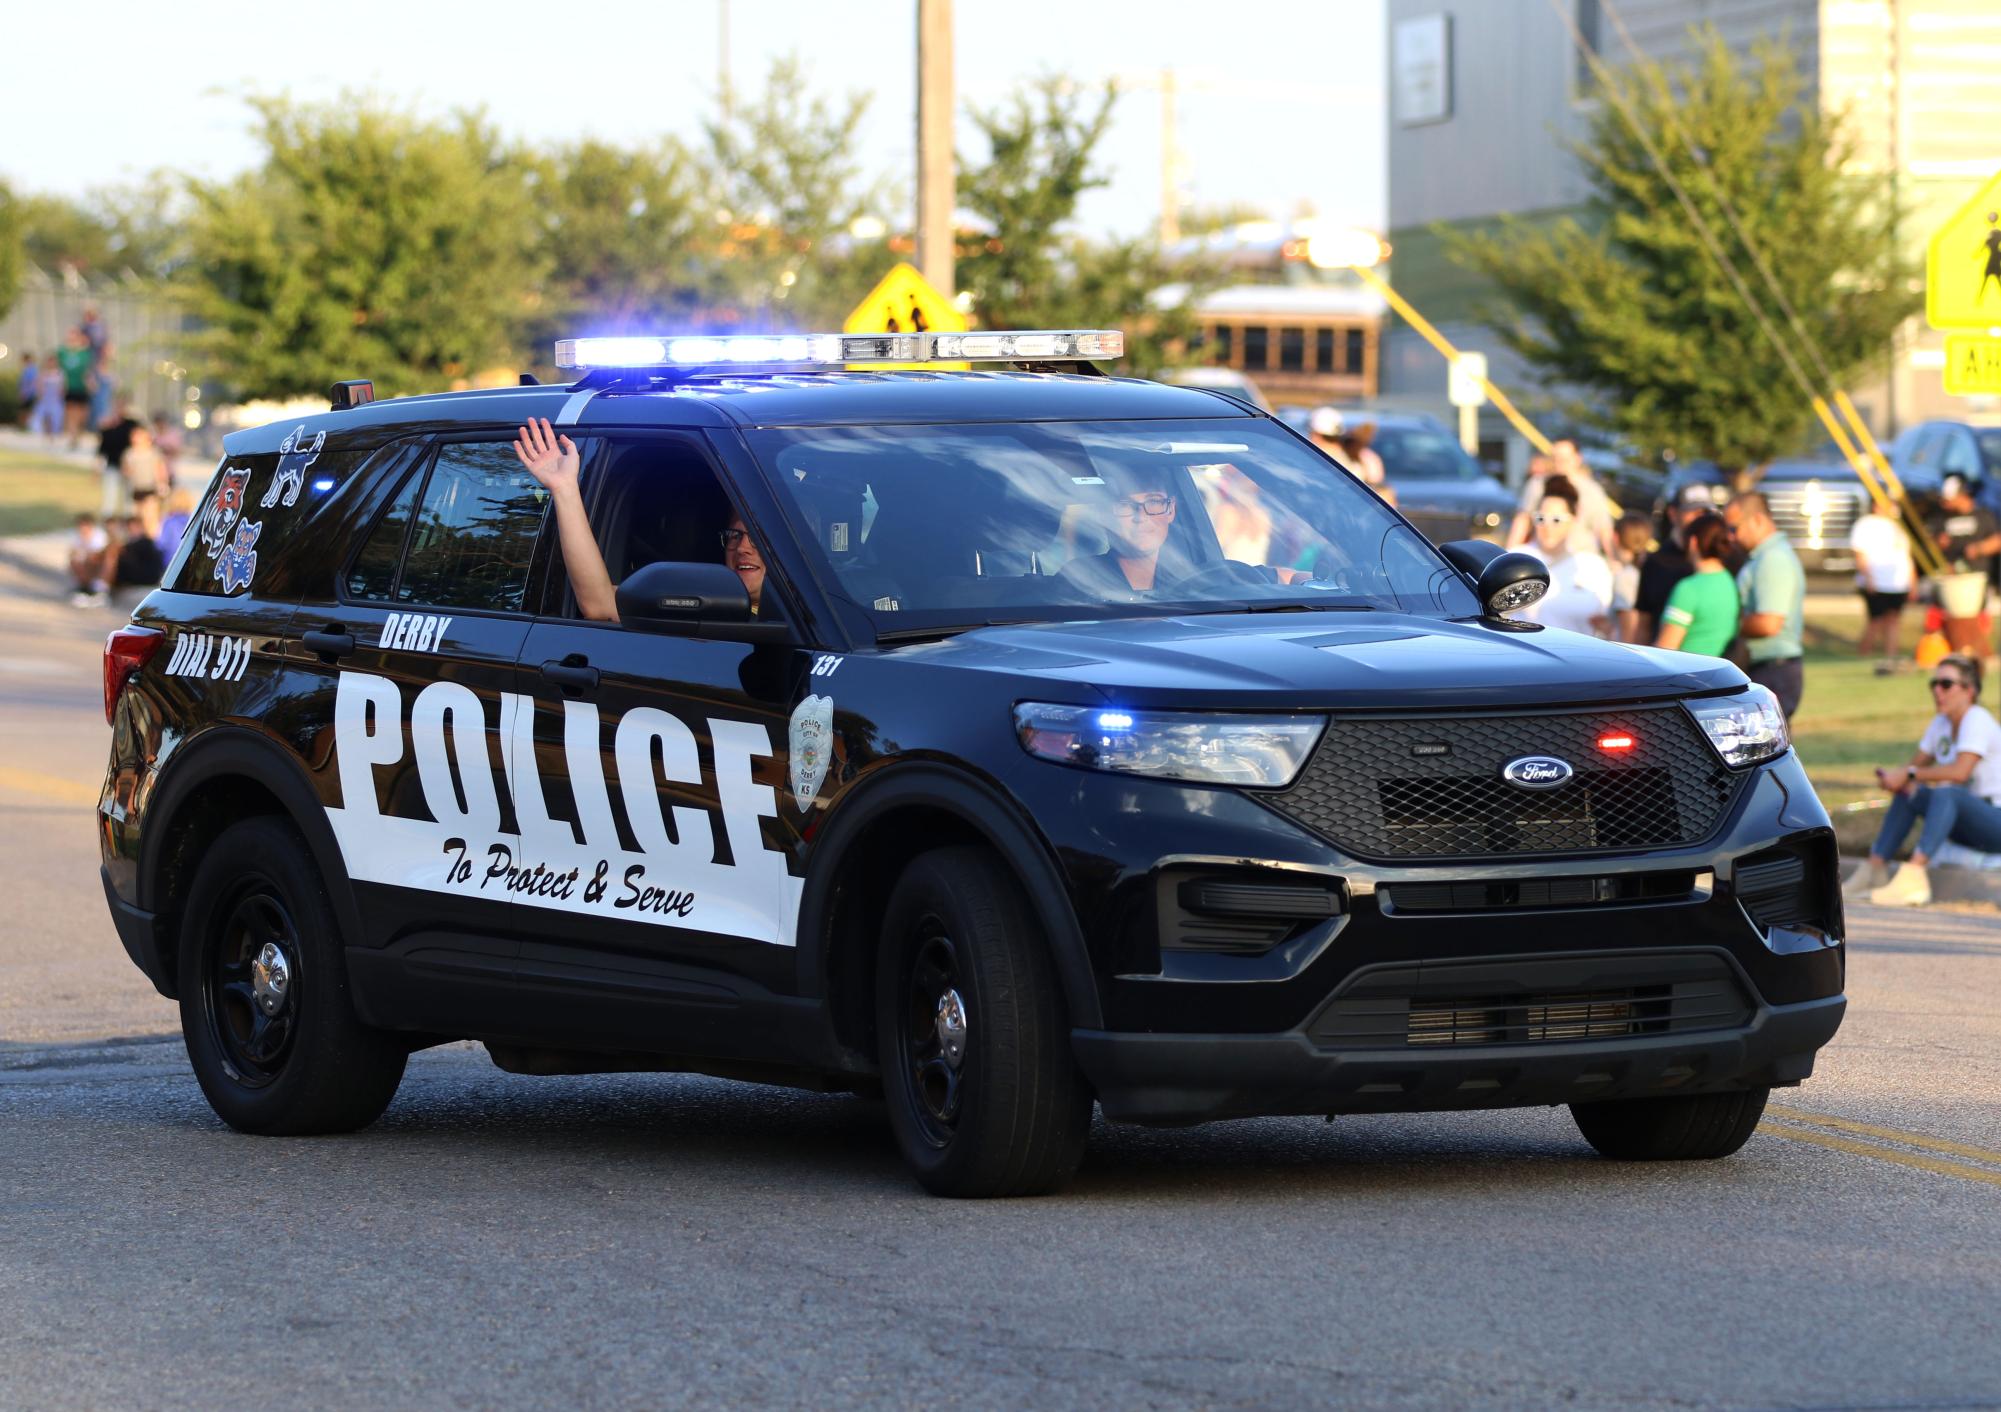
937, 195
723, 59
1170, 166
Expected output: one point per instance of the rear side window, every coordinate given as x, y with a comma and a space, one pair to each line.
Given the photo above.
255, 520
473, 539
372, 575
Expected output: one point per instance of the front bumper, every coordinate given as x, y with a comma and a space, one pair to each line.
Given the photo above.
1193, 1078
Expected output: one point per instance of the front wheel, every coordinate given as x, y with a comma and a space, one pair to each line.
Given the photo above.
983, 1093
1691, 1127
270, 1031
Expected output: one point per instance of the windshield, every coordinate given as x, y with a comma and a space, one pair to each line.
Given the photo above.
1421, 453
928, 527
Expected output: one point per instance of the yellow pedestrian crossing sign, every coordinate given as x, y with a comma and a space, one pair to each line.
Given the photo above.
1963, 265
905, 302
1972, 365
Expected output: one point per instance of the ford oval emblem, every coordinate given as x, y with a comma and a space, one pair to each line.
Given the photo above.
1537, 772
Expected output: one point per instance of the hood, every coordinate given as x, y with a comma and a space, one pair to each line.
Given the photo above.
1329, 659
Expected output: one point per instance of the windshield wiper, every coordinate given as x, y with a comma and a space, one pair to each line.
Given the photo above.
949, 630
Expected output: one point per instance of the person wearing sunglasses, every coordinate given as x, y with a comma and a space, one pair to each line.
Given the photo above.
1952, 783
1580, 581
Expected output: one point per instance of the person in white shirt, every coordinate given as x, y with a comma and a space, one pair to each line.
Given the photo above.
1580, 581
1591, 528
1883, 576
1953, 783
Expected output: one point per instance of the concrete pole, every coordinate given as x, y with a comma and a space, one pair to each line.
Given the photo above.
937, 196
1170, 193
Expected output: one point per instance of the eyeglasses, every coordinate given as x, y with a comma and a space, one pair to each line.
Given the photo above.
731, 538
1552, 519
1152, 505
1945, 683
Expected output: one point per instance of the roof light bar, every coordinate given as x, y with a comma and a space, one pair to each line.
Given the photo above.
837, 349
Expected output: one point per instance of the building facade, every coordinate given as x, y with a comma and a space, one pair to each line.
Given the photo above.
1487, 96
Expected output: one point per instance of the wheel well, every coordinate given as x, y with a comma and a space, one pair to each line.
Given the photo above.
207, 811
869, 868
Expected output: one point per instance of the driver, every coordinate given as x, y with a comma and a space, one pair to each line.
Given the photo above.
1137, 521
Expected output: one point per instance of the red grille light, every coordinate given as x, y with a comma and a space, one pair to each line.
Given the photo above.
125, 652
1615, 742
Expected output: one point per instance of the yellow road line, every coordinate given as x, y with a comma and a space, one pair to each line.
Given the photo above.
48, 786
1885, 1154
1849, 1125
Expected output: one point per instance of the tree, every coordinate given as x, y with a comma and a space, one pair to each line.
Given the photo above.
368, 243
1626, 306
11, 257
786, 189
630, 240
112, 230
1035, 270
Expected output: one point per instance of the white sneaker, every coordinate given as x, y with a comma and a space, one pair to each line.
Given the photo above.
1912, 887
1867, 877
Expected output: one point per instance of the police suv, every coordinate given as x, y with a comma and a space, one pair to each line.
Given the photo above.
1061, 739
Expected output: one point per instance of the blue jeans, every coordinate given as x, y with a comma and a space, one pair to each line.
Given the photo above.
1951, 813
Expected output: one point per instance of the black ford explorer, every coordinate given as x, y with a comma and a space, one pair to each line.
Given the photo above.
1080, 740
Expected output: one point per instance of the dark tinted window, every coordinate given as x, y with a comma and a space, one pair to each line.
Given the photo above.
1257, 343
1225, 336
475, 531
1354, 351
254, 522
1292, 350
1323, 349
372, 575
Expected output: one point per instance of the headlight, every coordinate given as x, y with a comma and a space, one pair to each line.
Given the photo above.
1172, 745
1744, 728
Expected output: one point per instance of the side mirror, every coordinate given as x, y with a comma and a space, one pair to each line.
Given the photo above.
693, 600
1502, 581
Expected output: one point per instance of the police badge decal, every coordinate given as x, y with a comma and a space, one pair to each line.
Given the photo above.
812, 742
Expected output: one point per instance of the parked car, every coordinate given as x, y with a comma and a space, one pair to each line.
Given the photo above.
1439, 488
1924, 455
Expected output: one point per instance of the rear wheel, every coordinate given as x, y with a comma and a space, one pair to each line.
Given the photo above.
1687, 1128
265, 1012
983, 1093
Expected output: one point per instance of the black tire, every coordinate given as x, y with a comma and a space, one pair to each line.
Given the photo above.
280, 1052
1011, 1117
1693, 1127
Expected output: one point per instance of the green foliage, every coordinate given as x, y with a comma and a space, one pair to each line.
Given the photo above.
369, 243
629, 240
11, 254
1625, 304
138, 228
786, 188
1036, 270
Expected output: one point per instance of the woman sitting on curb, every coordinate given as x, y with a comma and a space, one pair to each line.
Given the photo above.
1953, 783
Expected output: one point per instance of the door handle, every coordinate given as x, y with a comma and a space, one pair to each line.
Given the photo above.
574, 674
328, 642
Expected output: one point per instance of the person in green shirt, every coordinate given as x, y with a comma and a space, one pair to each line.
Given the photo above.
77, 361
1701, 613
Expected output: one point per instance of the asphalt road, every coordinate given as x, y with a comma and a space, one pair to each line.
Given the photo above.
642, 1241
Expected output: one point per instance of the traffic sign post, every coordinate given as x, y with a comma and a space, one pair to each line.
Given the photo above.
1963, 265
1466, 387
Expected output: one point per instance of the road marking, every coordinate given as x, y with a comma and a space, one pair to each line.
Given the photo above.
48, 786
1849, 1125
1885, 1154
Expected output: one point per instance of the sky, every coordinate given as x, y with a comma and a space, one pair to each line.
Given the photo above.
1280, 101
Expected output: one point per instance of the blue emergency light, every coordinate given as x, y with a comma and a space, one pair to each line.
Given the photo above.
833, 350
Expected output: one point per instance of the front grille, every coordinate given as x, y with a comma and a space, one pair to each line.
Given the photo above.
1544, 1000
1838, 509
1415, 787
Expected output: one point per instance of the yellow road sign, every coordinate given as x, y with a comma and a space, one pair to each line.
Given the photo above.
1972, 364
905, 302
1963, 265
